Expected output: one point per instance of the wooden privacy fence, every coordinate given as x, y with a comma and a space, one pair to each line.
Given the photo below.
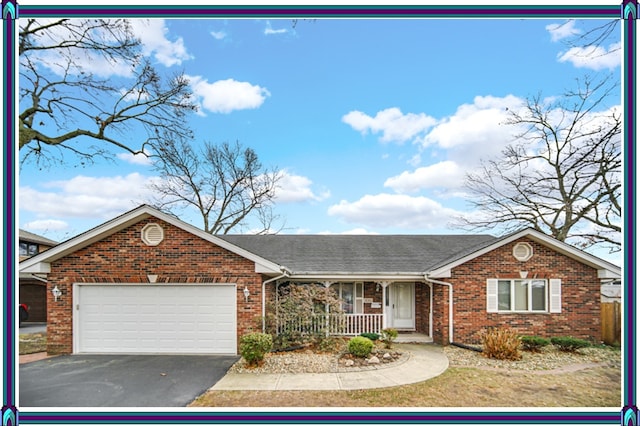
611, 319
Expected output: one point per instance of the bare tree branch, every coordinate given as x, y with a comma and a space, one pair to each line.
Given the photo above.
226, 184
64, 107
561, 175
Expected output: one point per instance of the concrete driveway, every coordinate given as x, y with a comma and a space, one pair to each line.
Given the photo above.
119, 380
33, 327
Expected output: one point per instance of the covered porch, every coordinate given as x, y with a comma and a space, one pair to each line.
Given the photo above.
368, 307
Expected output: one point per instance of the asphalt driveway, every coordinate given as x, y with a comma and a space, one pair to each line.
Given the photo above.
119, 380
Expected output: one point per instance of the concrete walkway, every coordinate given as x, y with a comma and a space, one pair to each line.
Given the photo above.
425, 361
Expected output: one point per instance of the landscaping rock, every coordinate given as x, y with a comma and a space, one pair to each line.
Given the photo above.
373, 360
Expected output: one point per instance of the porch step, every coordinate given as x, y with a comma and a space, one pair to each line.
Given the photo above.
413, 338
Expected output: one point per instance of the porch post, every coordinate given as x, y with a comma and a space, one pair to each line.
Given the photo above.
384, 285
326, 284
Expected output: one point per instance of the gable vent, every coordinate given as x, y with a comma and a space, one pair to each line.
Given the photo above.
522, 251
152, 234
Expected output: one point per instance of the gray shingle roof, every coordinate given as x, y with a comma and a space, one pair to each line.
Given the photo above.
24, 235
365, 254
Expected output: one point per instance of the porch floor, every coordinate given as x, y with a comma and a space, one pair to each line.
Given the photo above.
411, 337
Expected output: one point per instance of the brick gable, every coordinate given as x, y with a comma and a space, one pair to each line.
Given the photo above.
580, 316
123, 258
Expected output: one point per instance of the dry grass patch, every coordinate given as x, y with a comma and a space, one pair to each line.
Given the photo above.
32, 343
456, 387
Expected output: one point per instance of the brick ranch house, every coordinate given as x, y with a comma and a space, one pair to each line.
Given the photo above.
146, 282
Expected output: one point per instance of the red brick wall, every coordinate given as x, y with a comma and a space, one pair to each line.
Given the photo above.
580, 316
422, 307
123, 258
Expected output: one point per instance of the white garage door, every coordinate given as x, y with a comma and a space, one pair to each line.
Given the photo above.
188, 319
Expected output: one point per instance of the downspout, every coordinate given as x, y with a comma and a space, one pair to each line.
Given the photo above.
430, 280
285, 273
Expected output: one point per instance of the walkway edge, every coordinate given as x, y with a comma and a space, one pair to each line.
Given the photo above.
425, 362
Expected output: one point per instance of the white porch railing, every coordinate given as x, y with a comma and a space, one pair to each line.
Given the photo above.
336, 324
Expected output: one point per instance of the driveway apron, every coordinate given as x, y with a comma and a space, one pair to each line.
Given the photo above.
119, 380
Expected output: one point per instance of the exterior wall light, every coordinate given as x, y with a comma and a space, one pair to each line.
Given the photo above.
246, 294
56, 293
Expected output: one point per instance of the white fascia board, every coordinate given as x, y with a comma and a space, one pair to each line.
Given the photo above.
440, 273
265, 269
607, 274
37, 268
354, 277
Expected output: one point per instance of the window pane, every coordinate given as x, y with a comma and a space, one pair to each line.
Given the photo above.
504, 295
24, 250
538, 295
347, 297
521, 289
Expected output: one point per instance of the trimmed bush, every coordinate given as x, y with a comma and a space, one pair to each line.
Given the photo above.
534, 343
360, 346
254, 346
569, 344
388, 336
371, 336
501, 343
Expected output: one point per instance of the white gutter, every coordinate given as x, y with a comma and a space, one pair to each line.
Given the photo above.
285, 273
450, 303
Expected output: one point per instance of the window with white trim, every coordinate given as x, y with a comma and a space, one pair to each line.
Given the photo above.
351, 295
523, 295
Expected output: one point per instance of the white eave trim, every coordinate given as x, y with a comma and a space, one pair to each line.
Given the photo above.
346, 276
38, 268
130, 218
603, 267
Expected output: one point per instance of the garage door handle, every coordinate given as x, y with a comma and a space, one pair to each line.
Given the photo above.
77, 307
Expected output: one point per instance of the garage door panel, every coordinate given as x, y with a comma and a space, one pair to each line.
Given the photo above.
156, 319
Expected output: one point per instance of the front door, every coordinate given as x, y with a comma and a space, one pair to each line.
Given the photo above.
401, 298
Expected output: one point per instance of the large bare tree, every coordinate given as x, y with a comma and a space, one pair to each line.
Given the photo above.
68, 103
226, 184
561, 176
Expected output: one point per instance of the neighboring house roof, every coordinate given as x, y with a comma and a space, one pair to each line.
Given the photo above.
358, 254
35, 238
317, 256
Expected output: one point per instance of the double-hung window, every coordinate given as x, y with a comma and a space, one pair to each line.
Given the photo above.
523, 295
351, 295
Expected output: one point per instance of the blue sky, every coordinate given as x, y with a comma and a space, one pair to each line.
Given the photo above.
373, 122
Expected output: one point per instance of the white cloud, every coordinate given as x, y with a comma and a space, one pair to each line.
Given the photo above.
394, 211
137, 159
392, 123
218, 35
151, 32
46, 225
225, 96
476, 130
87, 197
562, 31
593, 57
446, 174
296, 189
153, 35
270, 31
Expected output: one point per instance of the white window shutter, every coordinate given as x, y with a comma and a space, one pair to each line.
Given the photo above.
555, 296
492, 295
